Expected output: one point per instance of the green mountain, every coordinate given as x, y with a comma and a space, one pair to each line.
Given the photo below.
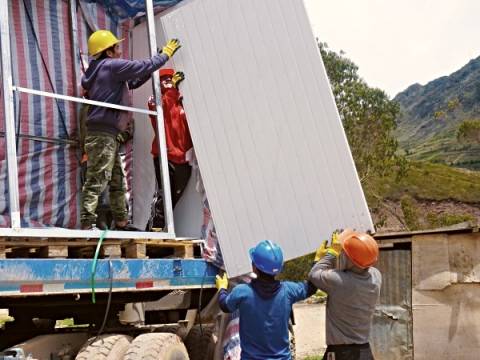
431, 114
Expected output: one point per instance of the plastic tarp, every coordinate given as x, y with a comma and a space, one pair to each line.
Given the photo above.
48, 164
122, 9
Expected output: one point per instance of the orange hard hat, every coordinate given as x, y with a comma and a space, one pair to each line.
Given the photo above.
361, 248
166, 72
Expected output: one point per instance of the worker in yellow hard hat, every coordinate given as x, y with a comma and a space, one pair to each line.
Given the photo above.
108, 79
344, 270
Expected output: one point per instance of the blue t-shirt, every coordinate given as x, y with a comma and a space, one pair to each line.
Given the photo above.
264, 322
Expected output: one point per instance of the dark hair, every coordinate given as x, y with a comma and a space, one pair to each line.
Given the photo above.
104, 54
264, 276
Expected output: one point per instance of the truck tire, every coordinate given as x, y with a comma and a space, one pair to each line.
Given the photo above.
104, 347
201, 343
156, 346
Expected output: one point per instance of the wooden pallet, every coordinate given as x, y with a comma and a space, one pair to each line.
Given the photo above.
84, 248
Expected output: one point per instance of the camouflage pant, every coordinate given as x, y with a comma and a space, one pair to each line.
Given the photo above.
103, 168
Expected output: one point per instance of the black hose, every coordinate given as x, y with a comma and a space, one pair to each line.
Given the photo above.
109, 299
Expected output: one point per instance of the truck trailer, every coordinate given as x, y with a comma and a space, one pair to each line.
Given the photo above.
271, 162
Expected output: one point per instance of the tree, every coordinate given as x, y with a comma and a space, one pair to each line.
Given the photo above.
469, 132
368, 117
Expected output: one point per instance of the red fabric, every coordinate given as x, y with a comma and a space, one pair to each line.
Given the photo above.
176, 126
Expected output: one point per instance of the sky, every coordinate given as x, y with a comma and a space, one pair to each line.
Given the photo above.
397, 43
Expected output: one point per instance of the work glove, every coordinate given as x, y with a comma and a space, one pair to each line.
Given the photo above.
221, 282
177, 78
171, 47
321, 251
334, 249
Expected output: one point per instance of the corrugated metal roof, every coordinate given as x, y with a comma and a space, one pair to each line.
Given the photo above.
270, 144
391, 335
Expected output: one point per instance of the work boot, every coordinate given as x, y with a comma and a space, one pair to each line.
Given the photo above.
87, 226
127, 227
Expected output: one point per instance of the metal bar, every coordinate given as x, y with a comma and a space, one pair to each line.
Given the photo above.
43, 139
13, 190
87, 234
82, 101
76, 65
162, 143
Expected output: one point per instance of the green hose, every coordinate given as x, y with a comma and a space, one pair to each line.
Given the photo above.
94, 264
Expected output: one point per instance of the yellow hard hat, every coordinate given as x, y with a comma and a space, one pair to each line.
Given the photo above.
101, 40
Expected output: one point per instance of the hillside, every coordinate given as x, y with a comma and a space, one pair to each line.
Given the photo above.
429, 196
430, 116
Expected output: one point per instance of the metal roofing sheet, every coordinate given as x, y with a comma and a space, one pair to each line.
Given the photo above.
391, 335
271, 148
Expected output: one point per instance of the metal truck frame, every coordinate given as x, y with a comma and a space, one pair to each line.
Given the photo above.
39, 291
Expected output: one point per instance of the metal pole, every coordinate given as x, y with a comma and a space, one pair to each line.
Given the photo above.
72, 4
8, 103
82, 100
167, 196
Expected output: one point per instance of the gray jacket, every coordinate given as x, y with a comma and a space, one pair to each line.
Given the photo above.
352, 297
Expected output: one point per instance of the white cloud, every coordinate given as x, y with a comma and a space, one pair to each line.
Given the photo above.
398, 43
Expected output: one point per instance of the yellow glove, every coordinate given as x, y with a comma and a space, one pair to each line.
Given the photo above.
336, 247
321, 251
221, 282
177, 78
172, 46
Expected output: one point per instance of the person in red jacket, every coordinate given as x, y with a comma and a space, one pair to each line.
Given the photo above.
178, 140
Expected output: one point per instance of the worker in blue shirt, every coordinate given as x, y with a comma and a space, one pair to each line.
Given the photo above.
265, 305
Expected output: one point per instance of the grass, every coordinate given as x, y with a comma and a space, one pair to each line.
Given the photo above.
297, 269
314, 357
427, 181
444, 148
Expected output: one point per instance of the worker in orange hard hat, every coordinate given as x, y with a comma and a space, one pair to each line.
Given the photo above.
344, 270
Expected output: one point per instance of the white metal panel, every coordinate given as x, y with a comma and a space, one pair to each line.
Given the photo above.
188, 212
143, 184
269, 141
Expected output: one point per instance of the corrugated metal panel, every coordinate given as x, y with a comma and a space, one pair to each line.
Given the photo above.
392, 324
271, 149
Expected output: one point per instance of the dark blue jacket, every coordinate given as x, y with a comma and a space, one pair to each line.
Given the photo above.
265, 309
108, 80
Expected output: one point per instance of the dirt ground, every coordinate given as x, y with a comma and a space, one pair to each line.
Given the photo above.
309, 329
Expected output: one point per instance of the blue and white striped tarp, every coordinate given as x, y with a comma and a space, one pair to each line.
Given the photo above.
48, 171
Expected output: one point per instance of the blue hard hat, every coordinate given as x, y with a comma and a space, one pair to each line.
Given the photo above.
267, 257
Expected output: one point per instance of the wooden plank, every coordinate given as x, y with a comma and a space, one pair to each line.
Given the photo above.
184, 252
63, 242
136, 251
163, 243
82, 248
3, 252
54, 251
430, 262
113, 251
